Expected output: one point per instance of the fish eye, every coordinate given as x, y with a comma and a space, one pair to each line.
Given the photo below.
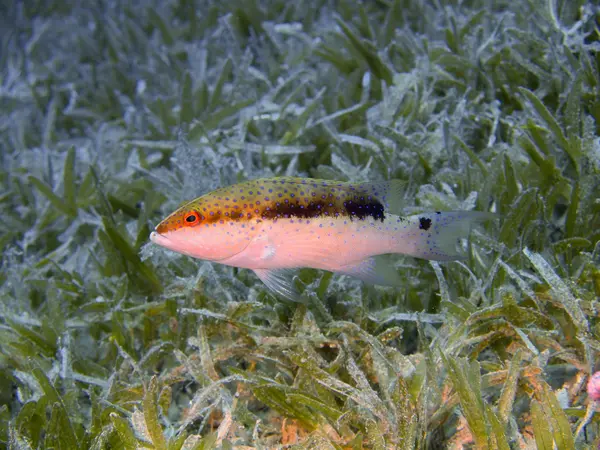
192, 218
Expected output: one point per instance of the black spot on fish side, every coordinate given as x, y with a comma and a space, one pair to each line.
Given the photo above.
424, 223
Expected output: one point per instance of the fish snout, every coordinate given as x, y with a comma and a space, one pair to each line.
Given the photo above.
159, 238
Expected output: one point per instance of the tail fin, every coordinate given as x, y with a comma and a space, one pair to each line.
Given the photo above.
440, 232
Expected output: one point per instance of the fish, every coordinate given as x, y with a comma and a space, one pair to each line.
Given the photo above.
275, 225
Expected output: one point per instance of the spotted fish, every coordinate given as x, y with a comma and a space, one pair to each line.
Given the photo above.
272, 225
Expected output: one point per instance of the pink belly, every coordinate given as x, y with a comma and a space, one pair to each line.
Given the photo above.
321, 244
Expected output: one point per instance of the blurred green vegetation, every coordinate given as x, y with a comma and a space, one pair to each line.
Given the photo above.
114, 113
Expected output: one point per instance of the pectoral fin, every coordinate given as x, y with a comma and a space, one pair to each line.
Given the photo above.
376, 270
279, 281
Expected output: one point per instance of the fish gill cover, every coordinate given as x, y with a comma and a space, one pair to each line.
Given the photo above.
115, 113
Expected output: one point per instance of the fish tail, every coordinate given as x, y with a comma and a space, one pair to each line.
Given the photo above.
439, 233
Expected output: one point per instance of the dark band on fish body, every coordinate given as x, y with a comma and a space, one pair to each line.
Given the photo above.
362, 209
351, 209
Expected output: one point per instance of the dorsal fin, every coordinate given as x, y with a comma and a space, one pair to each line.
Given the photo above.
389, 193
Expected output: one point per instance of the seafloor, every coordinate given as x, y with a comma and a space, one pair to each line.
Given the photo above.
112, 113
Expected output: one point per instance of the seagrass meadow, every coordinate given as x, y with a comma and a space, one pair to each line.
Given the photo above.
113, 113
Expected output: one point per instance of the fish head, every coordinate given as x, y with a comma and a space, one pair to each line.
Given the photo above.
205, 233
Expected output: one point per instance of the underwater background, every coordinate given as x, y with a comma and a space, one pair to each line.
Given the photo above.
112, 113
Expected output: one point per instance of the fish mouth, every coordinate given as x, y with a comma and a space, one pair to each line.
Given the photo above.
159, 238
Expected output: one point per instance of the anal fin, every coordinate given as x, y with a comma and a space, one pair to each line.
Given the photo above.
375, 270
